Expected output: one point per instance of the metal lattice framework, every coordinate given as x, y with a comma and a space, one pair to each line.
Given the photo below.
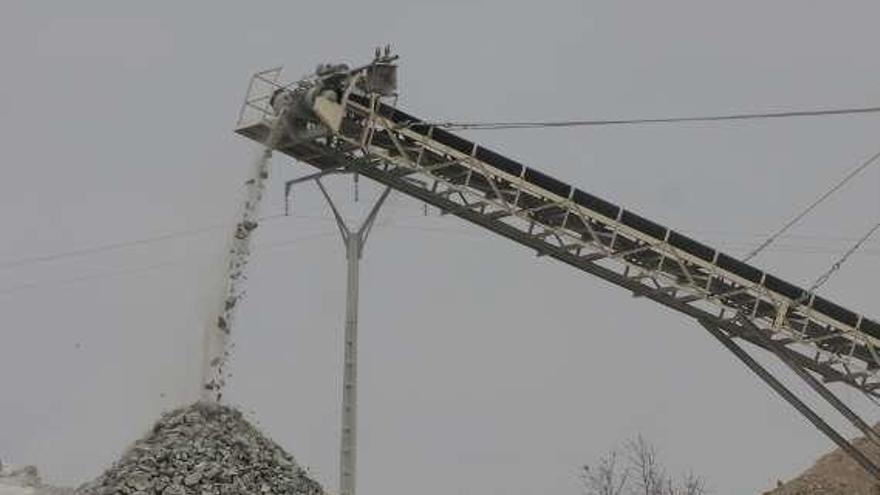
822, 341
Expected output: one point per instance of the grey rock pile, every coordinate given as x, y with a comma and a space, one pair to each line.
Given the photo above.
26, 476
26, 481
204, 449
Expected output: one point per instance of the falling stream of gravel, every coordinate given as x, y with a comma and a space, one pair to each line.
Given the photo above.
216, 344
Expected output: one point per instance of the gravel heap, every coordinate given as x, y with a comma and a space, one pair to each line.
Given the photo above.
835, 473
25, 476
26, 481
204, 449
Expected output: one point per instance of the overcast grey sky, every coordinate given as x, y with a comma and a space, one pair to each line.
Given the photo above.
484, 369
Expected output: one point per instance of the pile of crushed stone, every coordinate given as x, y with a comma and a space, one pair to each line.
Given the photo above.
26, 481
836, 474
18, 479
204, 449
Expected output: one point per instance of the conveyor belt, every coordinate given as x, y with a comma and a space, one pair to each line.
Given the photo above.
594, 234
720, 260
819, 340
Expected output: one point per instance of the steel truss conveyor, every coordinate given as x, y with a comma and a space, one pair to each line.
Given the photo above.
343, 120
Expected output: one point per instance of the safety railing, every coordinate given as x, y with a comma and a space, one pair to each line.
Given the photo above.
256, 107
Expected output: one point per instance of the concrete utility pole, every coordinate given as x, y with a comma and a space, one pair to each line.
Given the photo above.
354, 241
354, 248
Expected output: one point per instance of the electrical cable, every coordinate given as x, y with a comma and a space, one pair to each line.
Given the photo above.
121, 245
800, 249
147, 268
731, 244
713, 118
155, 266
794, 248
797, 218
837, 264
640, 121
107, 247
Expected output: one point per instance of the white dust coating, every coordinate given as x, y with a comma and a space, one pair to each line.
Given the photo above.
216, 345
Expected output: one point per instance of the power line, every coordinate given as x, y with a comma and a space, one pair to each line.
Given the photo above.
113, 246
731, 244
461, 125
796, 248
825, 277
741, 234
800, 249
120, 245
107, 247
22, 287
837, 264
151, 267
791, 223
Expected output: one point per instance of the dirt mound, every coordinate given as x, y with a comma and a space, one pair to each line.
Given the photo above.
204, 449
836, 474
